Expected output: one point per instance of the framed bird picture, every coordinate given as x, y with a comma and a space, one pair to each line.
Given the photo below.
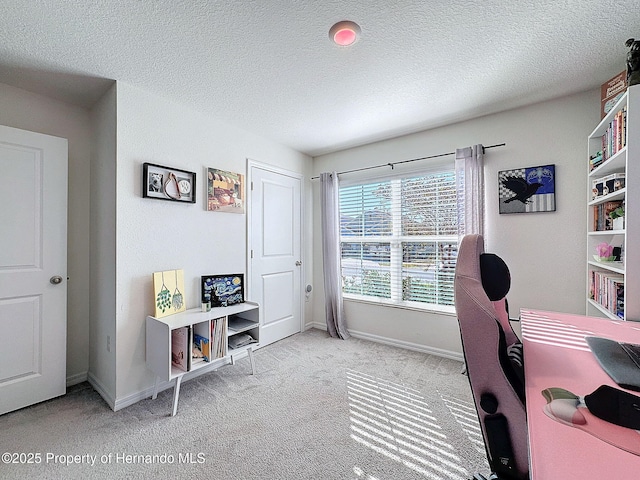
526, 190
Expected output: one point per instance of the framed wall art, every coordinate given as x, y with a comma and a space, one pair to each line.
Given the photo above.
527, 190
225, 191
223, 290
168, 183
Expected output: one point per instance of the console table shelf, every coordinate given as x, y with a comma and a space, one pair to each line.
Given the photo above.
169, 342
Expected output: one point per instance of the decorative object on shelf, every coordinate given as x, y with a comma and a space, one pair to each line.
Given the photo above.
609, 184
633, 61
604, 253
223, 290
617, 218
526, 190
225, 191
168, 288
168, 183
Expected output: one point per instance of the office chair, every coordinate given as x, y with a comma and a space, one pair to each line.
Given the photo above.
493, 357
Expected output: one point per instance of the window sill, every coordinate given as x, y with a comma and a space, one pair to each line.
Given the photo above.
416, 306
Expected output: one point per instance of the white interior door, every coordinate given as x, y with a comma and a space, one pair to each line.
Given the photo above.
275, 251
33, 268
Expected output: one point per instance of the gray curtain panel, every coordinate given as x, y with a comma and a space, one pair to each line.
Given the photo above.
334, 309
469, 168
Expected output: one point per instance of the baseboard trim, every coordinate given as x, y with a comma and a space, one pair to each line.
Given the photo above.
76, 379
398, 343
408, 345
135, 397
318, 325
98, 387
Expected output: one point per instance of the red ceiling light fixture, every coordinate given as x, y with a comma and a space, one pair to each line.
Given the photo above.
345, 33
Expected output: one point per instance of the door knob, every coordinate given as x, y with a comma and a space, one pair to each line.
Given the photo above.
56, 279
298, 263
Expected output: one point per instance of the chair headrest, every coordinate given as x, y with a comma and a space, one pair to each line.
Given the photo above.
495, 276
471, 247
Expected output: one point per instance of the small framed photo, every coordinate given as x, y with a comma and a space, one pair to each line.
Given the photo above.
168, 183
223, 290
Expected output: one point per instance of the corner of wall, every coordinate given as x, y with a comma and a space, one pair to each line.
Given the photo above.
102, 315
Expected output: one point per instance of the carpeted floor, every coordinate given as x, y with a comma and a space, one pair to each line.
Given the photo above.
317, 408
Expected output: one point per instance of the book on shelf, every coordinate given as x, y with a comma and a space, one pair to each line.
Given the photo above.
595, 160
614, 138
607, 290
180, 352
202, 344
611, 91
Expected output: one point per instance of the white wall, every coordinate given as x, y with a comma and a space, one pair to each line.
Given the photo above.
28, 111
102, 360
545, 251
154, 235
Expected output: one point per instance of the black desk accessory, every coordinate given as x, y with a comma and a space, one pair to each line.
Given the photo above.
620, 360
615, 406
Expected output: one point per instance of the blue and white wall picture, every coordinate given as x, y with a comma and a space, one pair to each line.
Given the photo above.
526, 190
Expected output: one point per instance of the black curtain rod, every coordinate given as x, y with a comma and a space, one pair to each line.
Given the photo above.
392, 164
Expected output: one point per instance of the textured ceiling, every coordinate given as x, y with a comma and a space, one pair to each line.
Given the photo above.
268, 66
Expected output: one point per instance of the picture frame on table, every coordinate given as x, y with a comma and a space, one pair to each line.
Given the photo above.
168, 183
223, 290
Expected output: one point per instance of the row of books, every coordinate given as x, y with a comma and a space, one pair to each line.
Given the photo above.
595, 160
219, 337
607, 289
601, 219
188, 347
615, 137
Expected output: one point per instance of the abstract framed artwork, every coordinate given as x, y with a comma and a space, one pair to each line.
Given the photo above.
225, 191
527, 190
168, 183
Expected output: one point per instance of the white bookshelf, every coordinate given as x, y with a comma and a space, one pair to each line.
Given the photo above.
626, 272
220, 327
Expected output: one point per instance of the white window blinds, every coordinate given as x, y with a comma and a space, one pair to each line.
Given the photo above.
399, 239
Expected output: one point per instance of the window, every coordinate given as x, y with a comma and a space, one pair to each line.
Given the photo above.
399, 240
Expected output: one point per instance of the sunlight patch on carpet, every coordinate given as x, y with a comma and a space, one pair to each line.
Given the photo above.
465, 414
396, 421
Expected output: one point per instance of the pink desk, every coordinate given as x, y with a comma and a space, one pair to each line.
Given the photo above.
556, 355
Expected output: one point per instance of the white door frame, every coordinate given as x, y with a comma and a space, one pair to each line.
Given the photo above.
281, 171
